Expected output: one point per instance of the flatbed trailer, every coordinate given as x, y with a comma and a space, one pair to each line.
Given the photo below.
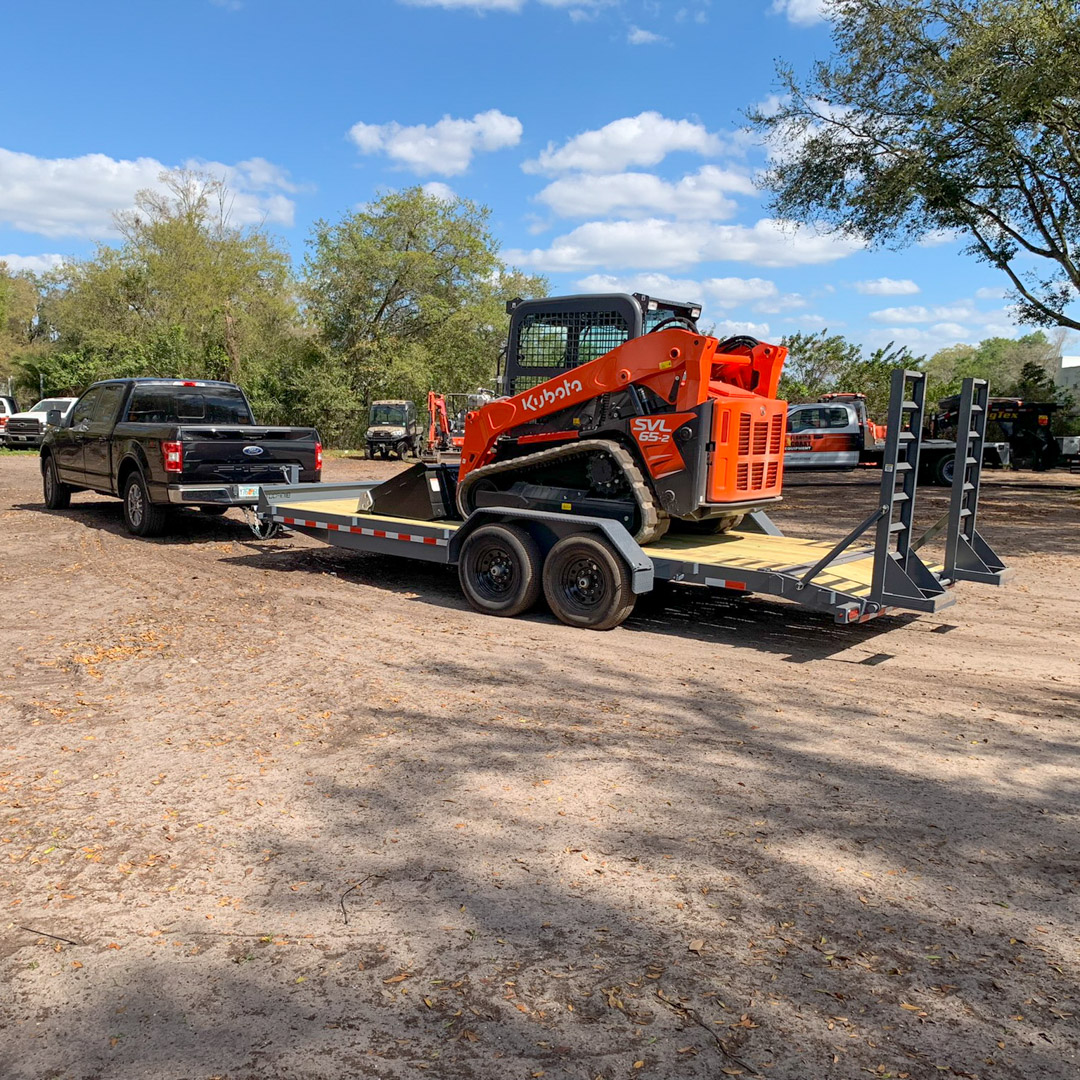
850, 580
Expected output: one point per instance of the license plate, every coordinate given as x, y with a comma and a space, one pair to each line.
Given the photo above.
248, 491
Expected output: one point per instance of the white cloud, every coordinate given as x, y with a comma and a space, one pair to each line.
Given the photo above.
645, 139
937, 237
78, 196
726, 328
37, 264
990, 294
700, 195
884, 286
445, 148
928, 340
802, 12
728, 292
637, 36
442, 192
919, 314
669, 245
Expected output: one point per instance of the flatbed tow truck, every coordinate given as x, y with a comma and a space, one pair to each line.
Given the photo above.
850, 580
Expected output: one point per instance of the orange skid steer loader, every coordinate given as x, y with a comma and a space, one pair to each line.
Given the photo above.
618, 407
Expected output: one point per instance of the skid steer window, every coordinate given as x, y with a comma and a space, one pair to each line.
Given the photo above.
542, 344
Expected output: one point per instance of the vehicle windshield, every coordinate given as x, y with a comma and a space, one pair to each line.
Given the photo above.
188, 405
50, 403
388, 414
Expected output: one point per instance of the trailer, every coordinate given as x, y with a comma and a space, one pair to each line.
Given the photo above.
591, 570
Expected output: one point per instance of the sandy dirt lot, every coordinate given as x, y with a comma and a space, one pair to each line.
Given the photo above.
276, 810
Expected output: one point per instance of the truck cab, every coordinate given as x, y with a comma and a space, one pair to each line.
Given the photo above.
833, 432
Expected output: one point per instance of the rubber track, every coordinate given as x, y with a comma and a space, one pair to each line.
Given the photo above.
654, 521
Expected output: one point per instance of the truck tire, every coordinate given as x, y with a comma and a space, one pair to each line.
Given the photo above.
499, 570
141, 516
57, 495
944, 470
586, 584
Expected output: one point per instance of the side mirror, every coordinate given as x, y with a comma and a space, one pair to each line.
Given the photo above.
53, 417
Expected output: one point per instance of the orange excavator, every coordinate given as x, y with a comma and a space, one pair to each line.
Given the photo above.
617, 406
446, 418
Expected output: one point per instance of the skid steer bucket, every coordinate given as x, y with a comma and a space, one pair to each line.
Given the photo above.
425, 491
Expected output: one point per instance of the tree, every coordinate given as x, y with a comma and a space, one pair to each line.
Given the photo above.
408, 294
18, 318
999, 360
957, 115
186, 293
821, 363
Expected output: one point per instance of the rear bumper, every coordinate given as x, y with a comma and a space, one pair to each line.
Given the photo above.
224, 494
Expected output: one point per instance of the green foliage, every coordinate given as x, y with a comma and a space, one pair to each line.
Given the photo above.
409, 294
1001, 361
186, 293
822, 363
959, 115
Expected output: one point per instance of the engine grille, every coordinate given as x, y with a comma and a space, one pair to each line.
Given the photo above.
23, 427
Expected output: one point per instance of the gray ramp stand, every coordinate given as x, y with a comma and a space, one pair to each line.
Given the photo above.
900, 577
968, 557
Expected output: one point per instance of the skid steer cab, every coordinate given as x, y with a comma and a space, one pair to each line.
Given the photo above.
393, 428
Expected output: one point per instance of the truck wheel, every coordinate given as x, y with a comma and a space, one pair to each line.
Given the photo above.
499, 570
586, 584
944, 470
369, 453
57, 495
141, 516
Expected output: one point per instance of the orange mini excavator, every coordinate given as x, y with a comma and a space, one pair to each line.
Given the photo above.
616, 406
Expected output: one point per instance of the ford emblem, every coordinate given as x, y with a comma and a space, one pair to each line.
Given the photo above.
253, 451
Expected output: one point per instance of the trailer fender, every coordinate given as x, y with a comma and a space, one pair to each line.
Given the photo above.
549, 528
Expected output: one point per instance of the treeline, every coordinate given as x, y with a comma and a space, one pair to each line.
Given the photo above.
402, 296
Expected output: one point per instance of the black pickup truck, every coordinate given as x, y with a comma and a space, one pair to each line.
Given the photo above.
164, 443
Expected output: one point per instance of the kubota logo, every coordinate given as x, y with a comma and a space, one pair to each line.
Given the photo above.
537, 400
651, 429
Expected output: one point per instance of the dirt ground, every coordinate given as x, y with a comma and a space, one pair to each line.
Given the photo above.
272, 810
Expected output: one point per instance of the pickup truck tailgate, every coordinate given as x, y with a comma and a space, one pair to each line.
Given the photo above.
243, 454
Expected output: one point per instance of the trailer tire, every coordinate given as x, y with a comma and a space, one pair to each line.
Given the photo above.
57, 494
586, 584
499, 570
141, 516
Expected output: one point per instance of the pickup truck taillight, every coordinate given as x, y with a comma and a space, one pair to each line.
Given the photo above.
173, 455
318, 457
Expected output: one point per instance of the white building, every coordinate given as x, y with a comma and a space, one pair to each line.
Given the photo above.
1068, 373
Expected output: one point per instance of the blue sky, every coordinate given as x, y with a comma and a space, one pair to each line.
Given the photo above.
605, 135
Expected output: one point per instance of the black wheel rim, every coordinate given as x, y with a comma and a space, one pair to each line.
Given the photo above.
495, 573
583, 584
135, 505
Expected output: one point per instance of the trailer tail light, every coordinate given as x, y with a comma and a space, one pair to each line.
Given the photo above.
173, 455
318, 457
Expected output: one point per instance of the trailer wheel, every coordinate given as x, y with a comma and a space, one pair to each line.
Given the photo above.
586, 584
499, 570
